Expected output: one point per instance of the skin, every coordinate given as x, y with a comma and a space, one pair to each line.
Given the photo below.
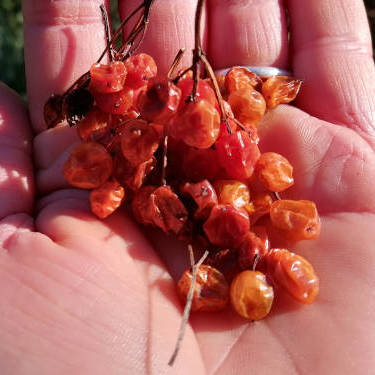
79, 295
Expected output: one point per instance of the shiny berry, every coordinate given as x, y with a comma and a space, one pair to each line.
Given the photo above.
250, 295
89, 166
140, 68
108, 78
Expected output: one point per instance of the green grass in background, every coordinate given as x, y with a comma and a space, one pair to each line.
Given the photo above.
11, 41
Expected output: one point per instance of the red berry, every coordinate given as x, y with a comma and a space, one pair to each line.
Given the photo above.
237, 154
204, 196
160, 101
139, 141
108, 78
140, 69
226, 226
117, 103
197, 125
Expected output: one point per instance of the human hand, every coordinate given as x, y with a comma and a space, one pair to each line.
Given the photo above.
87, 296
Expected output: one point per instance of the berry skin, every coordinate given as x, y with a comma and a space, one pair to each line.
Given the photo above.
211, 292
140, 68
280, 90
204, 196
248, 106
294, 274
89, 166
160, 207
226, 226
197, 125
204, 92
296, 220
94, 125
250, 295
274, 172
105, 199
232, 192
237, 154
139, 141
160, 101
108, 78
239, 78
117, 103
254, 245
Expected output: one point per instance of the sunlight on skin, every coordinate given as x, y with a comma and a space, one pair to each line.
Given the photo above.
81, 295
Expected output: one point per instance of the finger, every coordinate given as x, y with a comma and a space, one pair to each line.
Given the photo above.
50, 144
333, 54
171, 27
332, 165
248, 32
16, 170
62, 40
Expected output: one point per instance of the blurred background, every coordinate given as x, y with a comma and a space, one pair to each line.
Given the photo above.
11, 42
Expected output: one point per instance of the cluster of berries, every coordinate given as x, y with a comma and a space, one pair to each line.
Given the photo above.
183, 154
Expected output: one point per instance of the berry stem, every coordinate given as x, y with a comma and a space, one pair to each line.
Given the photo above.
189, 300
107, 31
175, 63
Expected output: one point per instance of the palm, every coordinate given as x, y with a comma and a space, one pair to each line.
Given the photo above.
93, 296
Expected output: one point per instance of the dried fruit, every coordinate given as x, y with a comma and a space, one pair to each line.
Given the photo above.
211, 292
89, 166
294, 274
297, 220
108, 78
105, 199
280, 90
250, 295
274, 171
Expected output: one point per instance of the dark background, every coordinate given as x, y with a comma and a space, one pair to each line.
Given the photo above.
11, 42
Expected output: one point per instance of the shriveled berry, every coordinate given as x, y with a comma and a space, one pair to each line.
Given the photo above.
239, 78
274, 172
159, 207
226, 226
297, 220
204, 92
140, 68
211, 292
294, 274
262, 201
226, 261
232, 192
139, 141
252, 247
160, 101
76, 104
204, 196
280, 90
237, 154
105, 199
93, 125
89, 166
248, 106
250, 295
130, 176
108, 78
117, 103
198, 124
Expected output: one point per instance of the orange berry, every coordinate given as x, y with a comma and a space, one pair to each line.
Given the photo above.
211, 292
274, 171
297, 220
280, 90
294, 274
105, 199
250, 295
232, 192
248, 106
89, 166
